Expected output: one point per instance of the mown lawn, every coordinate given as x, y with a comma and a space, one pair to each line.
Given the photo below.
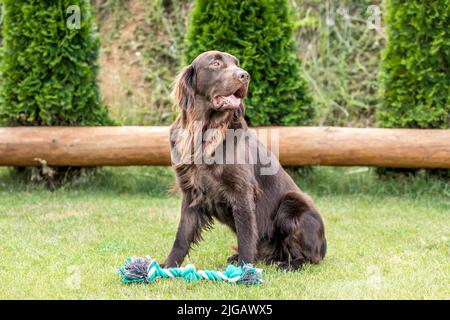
386, 239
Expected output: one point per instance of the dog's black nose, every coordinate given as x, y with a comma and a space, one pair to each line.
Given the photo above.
243, 76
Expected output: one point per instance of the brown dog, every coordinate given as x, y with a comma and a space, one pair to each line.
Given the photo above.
274, 221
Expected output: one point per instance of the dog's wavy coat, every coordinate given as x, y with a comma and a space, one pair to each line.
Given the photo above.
274, 221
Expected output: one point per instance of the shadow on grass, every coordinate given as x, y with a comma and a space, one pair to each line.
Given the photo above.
319, 181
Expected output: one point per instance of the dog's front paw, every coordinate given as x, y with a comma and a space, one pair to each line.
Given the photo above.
293, 265
281, 265
233, 259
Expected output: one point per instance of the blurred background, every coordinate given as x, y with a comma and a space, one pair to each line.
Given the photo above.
351, 63
143, 46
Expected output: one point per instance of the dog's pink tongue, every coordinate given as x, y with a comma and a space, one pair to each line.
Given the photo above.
232, 101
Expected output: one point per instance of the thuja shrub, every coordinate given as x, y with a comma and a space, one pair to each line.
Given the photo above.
260, 34
415, 81
48, 64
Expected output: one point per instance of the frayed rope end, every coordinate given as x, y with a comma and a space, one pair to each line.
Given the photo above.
134, 270
251, 276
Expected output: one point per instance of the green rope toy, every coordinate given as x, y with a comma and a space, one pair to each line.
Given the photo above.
148, 270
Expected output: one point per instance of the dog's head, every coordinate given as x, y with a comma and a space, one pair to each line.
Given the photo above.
214, 77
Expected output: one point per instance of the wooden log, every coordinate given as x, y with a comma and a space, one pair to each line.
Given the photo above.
401, 148
122, 146
84, 146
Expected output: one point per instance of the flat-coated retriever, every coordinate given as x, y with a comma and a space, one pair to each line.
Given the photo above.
275, 222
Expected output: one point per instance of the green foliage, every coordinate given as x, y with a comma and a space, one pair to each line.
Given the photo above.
415, 81
48, 69
260, 34
415, 65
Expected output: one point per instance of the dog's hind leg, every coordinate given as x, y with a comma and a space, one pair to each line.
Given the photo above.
300, 232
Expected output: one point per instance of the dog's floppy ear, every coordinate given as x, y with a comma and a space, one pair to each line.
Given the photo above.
184, 89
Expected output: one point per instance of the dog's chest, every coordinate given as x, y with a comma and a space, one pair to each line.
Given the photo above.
205, 187
194, 176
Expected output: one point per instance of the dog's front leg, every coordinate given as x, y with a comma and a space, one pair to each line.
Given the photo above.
246, 230
189, 231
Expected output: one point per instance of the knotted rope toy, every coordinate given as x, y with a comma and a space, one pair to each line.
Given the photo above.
148, 270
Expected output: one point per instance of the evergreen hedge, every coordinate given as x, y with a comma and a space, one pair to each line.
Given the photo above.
260, 34
49, 70
415, 70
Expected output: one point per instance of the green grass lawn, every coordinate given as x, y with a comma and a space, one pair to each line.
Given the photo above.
387, 239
